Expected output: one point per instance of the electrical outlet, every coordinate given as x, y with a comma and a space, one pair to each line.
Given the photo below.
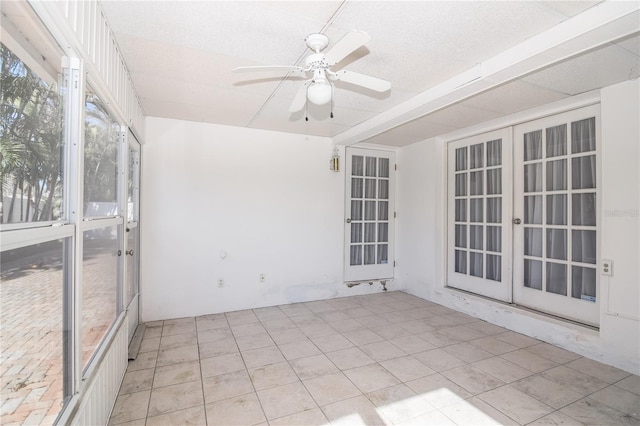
220, 282
261, 278
607, 267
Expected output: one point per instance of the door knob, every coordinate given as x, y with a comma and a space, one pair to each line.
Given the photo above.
517, 221
129, 252
348, 220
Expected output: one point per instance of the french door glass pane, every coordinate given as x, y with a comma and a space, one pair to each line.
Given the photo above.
556, 278
583, 135
476, 155
494, 153
383, 232
494, 267
356, 188
369, 210
370, 188
356, 232
583, 246
494, 181
494, 210
476, 210
557, 209
383, 254
533, 145
357, 165
583, 283
369, 232
557, 244
461, 184
383, 210
461, 236
533, 274
475, 183
461, 158
356, 209
356, 255
475, 264
557, 175
533, 242
460, 261
533, 177
370, 166
383, 189
583, 209
475, 237
556, 141
583, 172
383, 170
494, 238
369, 254
533, 209
461, 210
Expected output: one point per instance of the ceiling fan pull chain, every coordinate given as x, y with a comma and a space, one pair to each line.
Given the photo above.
332, 93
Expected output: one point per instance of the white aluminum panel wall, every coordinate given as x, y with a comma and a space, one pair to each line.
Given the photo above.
94, 41
99, 396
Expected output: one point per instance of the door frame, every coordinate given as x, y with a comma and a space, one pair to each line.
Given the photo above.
373, 271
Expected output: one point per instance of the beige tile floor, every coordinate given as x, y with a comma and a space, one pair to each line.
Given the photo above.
381, 359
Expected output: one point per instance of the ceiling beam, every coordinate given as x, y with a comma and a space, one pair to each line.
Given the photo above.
603, 23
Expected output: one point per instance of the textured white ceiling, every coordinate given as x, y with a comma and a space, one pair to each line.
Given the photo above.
180, 55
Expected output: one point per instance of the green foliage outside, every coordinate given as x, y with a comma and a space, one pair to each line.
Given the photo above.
32, 150
30, 143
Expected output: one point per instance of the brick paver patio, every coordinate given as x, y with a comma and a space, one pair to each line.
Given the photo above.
31, 376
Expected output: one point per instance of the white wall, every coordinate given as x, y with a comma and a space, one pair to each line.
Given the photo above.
267, 199
422, 234
620, 215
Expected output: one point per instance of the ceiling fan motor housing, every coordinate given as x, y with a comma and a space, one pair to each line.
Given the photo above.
315, 61
317, 41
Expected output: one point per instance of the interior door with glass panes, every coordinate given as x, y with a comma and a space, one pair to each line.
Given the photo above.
555, 205
370, 214
479, 235
132, 244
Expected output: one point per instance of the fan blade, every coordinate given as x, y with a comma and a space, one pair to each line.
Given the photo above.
300, 99
345, 46
280, 68
363, 80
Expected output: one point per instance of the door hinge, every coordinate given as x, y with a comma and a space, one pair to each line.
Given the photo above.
395, 214
395, 167
394, 263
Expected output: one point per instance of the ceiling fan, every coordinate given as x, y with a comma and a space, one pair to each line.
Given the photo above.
318, 89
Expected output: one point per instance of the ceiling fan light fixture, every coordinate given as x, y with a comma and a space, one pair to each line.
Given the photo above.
319, 92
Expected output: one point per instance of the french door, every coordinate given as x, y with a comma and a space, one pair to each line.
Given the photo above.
132, 244
369, 224
522, 224
479, 240
555, 240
